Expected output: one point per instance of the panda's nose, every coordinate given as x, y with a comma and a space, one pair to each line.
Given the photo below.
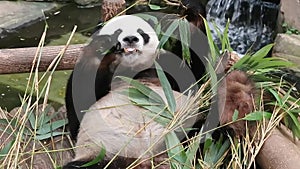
131, 39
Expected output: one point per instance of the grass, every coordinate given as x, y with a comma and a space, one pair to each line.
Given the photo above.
27, 134
33, 131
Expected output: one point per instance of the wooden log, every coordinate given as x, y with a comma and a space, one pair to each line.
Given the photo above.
279, 151
20, 60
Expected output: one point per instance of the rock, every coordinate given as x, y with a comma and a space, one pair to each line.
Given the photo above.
17, 14
290, 10
288, 47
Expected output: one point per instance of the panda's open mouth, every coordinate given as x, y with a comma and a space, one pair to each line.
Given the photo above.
130, 50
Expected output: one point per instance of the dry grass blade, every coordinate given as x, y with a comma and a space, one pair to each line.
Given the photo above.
26, 146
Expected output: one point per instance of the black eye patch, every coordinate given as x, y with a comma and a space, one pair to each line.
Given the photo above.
145, 36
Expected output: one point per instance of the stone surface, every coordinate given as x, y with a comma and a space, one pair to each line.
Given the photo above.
290, 10
288, 47
16, 14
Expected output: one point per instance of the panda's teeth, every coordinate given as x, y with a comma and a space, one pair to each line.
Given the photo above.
130, 50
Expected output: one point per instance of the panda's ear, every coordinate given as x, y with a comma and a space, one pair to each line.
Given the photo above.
145, 36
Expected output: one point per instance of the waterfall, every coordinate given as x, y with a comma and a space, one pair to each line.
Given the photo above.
252, 22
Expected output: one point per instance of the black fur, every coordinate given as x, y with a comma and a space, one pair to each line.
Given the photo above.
97, 48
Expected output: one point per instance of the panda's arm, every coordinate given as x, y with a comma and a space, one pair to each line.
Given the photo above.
91, 53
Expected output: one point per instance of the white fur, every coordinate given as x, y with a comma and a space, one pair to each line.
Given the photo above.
129, 25
113, 121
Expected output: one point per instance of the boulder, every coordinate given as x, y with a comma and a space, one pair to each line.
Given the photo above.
290, 10
288, 47
17, 14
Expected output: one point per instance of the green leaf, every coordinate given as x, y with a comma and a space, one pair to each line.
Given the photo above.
143, 89
99, 158
157, 29
46, 128
155, 7
175, 148
276, 95
213, 76
44, 118
5, 150
139, 98
166, 88
31, 118
6, 126
259, 115
168, 33
296, 124
158, 118
208, 142
211, 44
192, 151
49, 135
235, 115
185, 39
160, 110
263, 52
225, 40
271, 63
222, 150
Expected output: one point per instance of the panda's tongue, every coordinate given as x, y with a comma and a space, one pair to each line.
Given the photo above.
129, 50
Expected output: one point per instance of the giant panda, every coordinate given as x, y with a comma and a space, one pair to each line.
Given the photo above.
111, 122
124, 51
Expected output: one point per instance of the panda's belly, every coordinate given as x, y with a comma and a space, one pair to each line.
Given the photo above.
122, 128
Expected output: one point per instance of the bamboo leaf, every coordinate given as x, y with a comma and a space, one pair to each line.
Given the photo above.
263, 52
99, 158
49, 135
276, 95
192, 151
185, 39
259, 115
175, 148
210, 41
143, 89
5, 150
46, 128
235, 115
168, 33
225, 40
158, 118
166, 88
155, 7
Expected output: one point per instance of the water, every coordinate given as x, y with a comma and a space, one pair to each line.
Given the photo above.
60, 22
252, 22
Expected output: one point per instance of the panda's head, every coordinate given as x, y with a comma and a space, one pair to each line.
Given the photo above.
136, 41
